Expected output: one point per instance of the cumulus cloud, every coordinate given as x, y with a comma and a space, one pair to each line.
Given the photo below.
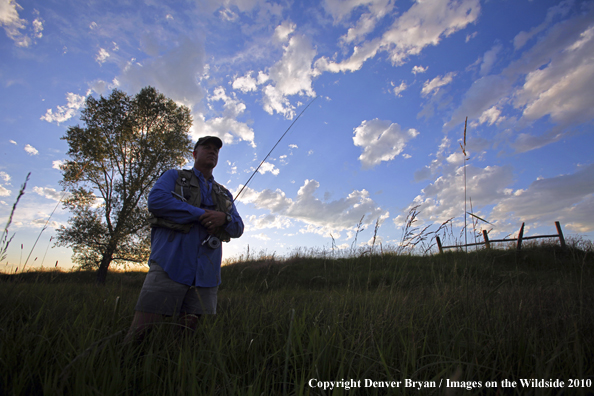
424, 23
66, 112
49, 193
268, 167
381, 141
291, 75
283, 31
419, 69
57, 164
31, 150
319, 216
444, 198
245, 83
226, 127
4, 192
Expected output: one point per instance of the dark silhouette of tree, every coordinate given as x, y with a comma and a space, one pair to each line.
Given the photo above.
125, 145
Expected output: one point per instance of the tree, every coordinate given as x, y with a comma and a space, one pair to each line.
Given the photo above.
126, 144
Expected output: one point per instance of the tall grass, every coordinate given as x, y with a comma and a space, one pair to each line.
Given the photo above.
5, 240
281, 322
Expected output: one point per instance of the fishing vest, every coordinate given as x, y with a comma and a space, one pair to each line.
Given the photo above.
187, 189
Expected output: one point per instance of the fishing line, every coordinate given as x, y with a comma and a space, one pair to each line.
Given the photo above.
270, 152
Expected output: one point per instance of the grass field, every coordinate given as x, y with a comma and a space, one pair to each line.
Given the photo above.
451, 324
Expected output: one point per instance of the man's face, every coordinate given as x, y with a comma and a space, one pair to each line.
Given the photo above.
206, 155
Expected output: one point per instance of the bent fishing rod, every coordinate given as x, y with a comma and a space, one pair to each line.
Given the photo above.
270, 152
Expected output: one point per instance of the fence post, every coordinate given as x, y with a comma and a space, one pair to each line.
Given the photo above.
520, 235
560, 233
486, 237
439, 244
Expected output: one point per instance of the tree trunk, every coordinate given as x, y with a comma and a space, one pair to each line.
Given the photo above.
104, 266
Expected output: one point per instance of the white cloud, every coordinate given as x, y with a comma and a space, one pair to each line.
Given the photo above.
423, 24
563, 89
9, 19
268, 221
291, 75
14, 25
444, 198
321, 217
381, 141
246, 83
268, 167
13, 142
50, 193
556, 81
101, 56
262, 237
283, 31
399, 89
482, 95
68, 111
226, 127
5, 176
419, 69
57, 164
31, 150
491, 116
4, 192
566, 198
341, 9
435, 84
377, 9
38, 28
471, 36
489, 59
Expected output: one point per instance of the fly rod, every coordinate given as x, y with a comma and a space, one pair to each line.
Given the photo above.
270, 152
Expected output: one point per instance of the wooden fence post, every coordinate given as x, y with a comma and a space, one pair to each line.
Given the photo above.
486, 236
560, 233
520, 235
439, 244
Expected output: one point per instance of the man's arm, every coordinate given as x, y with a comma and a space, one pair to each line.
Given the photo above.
212, 220
162, 203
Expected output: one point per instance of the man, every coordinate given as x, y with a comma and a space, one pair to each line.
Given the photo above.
191, 213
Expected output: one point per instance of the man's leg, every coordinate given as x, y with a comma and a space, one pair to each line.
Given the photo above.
141, 323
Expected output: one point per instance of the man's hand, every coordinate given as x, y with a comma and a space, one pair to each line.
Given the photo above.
212, 219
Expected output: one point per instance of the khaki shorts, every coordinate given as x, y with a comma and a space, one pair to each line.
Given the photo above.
161, 295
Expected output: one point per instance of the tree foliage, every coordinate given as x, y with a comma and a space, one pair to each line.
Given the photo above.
114, 160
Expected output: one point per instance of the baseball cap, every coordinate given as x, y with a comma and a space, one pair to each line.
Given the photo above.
209, 139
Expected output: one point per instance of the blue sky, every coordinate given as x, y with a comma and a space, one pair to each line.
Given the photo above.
394, 82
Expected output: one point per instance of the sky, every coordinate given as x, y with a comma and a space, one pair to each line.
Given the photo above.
393, 82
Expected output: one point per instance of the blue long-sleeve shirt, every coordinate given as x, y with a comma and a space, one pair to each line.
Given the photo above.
182, 256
